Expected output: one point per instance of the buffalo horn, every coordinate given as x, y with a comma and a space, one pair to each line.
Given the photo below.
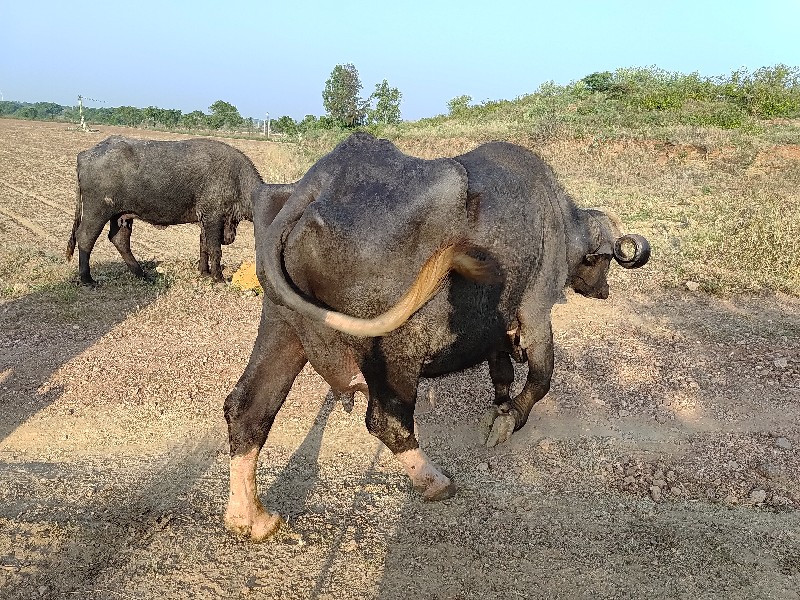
641, 253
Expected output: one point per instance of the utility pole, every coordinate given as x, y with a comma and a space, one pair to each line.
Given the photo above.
267, 127
80, 110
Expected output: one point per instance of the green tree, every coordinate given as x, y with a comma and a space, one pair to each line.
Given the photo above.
26, 112
341, 97
285, 125
171, 117
599, 82
152, 116
98, 115
48, 110
127, 115
224, 114
459, 105
9, 107
194, 120
387, 104
308, 123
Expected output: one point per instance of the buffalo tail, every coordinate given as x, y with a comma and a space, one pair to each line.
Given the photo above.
455, 256
78, 211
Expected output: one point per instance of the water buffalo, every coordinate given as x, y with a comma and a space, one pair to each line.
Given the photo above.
270, 198
382, 268
164, 183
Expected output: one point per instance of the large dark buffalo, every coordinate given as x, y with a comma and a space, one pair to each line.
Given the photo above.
394, 267
164, 183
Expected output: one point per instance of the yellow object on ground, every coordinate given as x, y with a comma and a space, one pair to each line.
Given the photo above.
245, 277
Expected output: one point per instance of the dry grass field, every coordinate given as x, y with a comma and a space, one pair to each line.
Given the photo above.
664, 463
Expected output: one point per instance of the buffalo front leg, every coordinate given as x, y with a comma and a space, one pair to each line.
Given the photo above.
390, 418
509, 415
250, 410
211, 234
119, 233
203, 265
501, 370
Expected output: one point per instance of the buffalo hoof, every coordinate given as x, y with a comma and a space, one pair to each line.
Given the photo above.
439, 491
426, 478
145, 277
497, 425
88, 282
347, 399
214, 278
258, 526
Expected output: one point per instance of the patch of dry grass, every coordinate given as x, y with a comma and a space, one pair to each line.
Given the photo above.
723, 215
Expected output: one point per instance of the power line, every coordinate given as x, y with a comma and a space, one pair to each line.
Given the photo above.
80, 110
90, 99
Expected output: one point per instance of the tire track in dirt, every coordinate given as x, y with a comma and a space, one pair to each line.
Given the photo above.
147, 245
35, 196
29, 225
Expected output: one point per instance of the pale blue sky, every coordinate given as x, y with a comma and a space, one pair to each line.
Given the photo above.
275, 56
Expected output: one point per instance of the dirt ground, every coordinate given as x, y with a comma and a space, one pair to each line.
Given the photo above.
664, 463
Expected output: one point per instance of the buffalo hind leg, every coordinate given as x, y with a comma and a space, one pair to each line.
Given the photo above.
90, 228
229, 230
119, 233
509, 415
390, 418
250, 410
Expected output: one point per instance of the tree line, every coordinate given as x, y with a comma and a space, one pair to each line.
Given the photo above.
222, 115
341, 99
649, 95
625, 96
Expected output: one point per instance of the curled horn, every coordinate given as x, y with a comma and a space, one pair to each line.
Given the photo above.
641, 252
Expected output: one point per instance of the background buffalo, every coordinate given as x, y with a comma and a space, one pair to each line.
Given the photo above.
163, 183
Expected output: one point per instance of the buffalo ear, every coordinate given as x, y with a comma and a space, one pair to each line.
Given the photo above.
604, 250
593, 258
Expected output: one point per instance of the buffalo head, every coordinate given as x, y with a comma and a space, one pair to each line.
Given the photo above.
603, 241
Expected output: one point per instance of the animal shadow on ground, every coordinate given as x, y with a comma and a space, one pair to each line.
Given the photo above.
322, 509
45, 329
98, 535
41, 332
289, 492
550, 513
